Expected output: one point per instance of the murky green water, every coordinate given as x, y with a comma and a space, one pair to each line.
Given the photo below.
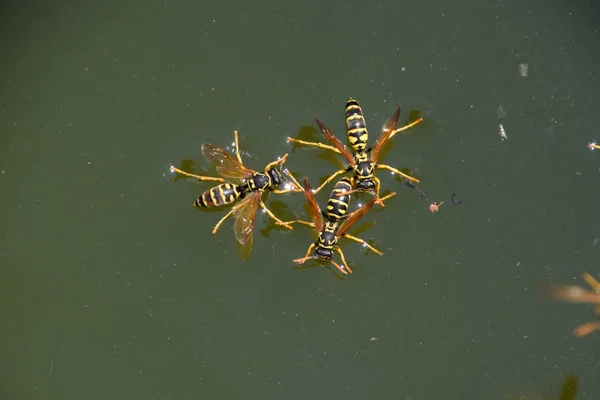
114, 287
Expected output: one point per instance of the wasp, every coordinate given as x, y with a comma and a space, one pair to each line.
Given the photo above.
576, 294
251, 186
362, 160
336, 224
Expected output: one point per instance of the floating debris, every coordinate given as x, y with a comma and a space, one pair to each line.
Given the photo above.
455, 200
523, 69
502, 132
501, 112
435, 207
569, 388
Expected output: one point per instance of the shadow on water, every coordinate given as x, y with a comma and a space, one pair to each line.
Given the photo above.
281, 211
308, 133
360, 230
413, 115
188, 166
315, 263
311, 134
569, 388
185, 165
568, 391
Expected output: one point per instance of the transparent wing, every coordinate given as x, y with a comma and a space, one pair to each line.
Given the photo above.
226, 164
312, 204
245, 218
386, 132
336, 142
355, 216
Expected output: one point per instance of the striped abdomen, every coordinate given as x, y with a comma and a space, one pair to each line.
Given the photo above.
356, 128
225, 193
337, 206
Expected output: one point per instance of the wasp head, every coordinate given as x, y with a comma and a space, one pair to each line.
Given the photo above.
323, 254
275, 176
367, 185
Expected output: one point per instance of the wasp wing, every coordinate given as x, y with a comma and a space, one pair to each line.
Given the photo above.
227, 166
354, 217
312, 204
336, 142
386, 132
245, 218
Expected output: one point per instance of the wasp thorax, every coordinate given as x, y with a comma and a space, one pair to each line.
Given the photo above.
360, 146
365, 166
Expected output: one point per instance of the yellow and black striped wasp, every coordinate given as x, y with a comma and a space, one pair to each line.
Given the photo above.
337, 223
362, 160
251, 186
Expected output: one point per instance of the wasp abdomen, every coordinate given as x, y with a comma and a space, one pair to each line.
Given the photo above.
337, 205
356, 127
225, 193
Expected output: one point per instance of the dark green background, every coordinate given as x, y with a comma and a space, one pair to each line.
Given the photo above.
112, 285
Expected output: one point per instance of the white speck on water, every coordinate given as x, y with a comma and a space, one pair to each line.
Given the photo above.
523, 69
501, 112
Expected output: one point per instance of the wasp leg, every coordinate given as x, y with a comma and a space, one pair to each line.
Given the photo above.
216, 228
396, 171
590, 280
237, 146
376, 192
304, 259
377, 188
586, 329
284, 191
293, 178
342, 270
277, 220
405, 127
274, 163
202, 178
315, 144
359, 240
387, 196
595, 285
298, 221
332, 177
297, 188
